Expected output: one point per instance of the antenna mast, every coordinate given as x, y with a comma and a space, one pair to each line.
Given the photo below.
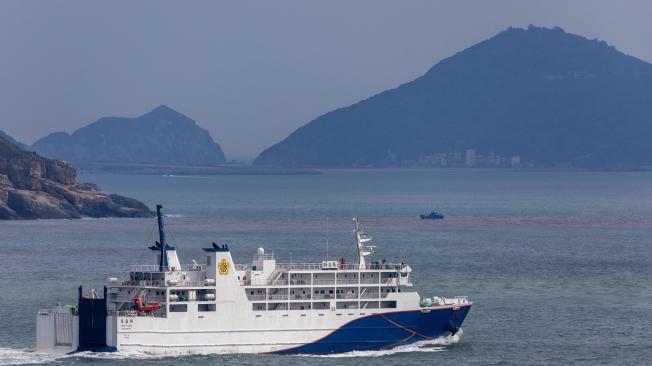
161, 236
327, 238
363, 250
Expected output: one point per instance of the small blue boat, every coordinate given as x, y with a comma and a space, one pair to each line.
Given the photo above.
433, 215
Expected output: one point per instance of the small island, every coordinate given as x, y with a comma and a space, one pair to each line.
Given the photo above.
34, 187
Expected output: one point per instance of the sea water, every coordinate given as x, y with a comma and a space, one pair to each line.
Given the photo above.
559, 264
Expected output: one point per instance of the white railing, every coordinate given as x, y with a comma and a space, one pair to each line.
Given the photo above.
370, 281
142, 283
340, 266
299, 266
460, 300
383, 266
300, 282
299, 297
188, 284
277, 297
347, 281
55, 311
132, 313
262, 257
157, 268
283, 282
324, 282
169, 283
256, 297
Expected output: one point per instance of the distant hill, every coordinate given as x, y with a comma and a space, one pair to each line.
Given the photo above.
554, 98
162, 136
11, 140
33, 187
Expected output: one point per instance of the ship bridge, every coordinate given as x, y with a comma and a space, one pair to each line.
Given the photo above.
327, 285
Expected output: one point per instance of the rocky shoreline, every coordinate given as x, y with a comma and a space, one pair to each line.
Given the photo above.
33, 187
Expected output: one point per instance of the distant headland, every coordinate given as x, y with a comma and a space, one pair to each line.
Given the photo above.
161, 136
534, 97
162, 141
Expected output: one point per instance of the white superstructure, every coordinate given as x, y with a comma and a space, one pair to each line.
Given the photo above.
219, 306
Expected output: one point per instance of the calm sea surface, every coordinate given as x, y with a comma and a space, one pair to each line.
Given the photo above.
559, 264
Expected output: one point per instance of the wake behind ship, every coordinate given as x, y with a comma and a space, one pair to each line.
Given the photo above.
262, 307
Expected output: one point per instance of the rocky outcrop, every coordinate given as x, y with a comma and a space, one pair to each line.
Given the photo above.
33, 187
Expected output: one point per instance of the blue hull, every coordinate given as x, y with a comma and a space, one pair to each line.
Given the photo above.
429, 217
382, 331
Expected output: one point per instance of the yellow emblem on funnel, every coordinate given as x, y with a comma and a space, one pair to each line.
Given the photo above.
223, 267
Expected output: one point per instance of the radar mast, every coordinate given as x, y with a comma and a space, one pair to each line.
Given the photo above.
361, 238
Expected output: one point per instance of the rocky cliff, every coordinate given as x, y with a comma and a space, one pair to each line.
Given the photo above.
33, 187
4, 135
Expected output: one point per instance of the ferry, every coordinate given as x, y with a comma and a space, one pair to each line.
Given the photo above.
263, 307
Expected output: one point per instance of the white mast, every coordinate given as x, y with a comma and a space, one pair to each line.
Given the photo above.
363, 250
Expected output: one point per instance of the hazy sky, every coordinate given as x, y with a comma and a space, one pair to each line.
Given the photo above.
252, 72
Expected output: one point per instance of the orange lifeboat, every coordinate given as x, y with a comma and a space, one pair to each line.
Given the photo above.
141, 307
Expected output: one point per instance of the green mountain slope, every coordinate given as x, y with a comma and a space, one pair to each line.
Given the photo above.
554, 98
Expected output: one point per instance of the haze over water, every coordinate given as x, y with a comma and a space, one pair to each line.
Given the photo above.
557, 263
